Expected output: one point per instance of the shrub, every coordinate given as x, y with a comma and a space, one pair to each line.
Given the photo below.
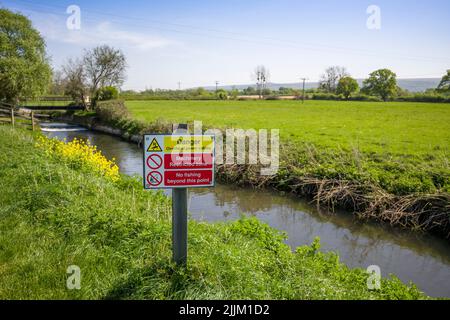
364, 97
105, 94
424, 97
79, 154
222, 94
326, 96
111, 111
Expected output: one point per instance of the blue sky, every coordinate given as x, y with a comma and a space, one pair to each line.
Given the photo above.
199, 42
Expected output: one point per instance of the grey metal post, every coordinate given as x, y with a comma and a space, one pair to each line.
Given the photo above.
179, 214
179, 225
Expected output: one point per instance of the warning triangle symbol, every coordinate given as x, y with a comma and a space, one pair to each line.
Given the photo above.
154, 146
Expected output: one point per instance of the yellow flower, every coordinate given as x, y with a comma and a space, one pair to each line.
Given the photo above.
80, 153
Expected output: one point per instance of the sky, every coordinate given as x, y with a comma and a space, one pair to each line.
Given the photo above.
196, 43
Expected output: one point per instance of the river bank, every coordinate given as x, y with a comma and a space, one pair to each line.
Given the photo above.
413, 257
66, 214
423, 212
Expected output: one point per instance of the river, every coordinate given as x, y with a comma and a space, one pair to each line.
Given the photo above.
422, 259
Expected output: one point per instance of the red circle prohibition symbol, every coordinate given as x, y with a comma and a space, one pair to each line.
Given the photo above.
154, 178
154, 161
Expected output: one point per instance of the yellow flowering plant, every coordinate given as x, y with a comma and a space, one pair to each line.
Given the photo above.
80, 153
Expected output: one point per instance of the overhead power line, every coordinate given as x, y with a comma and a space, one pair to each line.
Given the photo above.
255, 39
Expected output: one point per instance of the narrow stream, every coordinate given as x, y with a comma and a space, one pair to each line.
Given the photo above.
422, 259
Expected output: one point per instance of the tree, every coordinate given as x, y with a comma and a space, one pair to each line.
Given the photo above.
24, 68
249, 91
106, 93
221, 94
381, 83
266, 92
346, 86
201, 92
261, 76
75, 81
104, 66
234, 93
444, 85
329, 80
58, 83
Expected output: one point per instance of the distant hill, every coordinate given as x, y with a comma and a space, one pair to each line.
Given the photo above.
413, 85
417, 85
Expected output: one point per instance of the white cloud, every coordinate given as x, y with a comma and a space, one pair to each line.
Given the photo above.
105, 33
54, 28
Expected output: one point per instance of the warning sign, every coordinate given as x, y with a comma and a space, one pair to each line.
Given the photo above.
154, 146
178, 161
188, 143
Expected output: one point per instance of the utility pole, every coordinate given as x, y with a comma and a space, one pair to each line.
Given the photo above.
179, 85
217, 88
303, 95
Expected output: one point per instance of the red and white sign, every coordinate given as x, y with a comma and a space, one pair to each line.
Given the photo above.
193, 178
178, 161
188, 161
154, 161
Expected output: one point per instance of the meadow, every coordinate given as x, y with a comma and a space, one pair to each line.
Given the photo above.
401, 147
64, 205
390, 127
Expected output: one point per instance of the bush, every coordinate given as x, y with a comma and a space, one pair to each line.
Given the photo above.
363, 97
105, 94
116, 114
222, 94
111, 111
424, 97
327, 96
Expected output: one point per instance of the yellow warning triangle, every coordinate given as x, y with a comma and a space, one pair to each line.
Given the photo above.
154, 146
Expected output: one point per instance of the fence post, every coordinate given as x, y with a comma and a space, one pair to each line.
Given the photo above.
12, 116
32, 120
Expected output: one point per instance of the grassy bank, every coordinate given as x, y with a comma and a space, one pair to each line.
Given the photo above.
61, 207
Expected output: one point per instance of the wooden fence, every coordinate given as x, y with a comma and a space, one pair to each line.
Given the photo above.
19, 116
51, 103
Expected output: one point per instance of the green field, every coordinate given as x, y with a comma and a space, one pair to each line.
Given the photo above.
401, 146
56, 213
369, 126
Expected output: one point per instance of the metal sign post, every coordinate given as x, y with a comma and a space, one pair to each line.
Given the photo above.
179, 215
178, 161
179, 225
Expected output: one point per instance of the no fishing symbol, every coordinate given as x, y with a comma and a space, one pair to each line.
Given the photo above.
154, 161
154, 178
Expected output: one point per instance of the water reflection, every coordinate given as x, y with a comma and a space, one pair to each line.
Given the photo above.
425, 260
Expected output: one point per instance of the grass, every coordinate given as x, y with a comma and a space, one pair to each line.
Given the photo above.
392, 127
56, 212
402, 147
